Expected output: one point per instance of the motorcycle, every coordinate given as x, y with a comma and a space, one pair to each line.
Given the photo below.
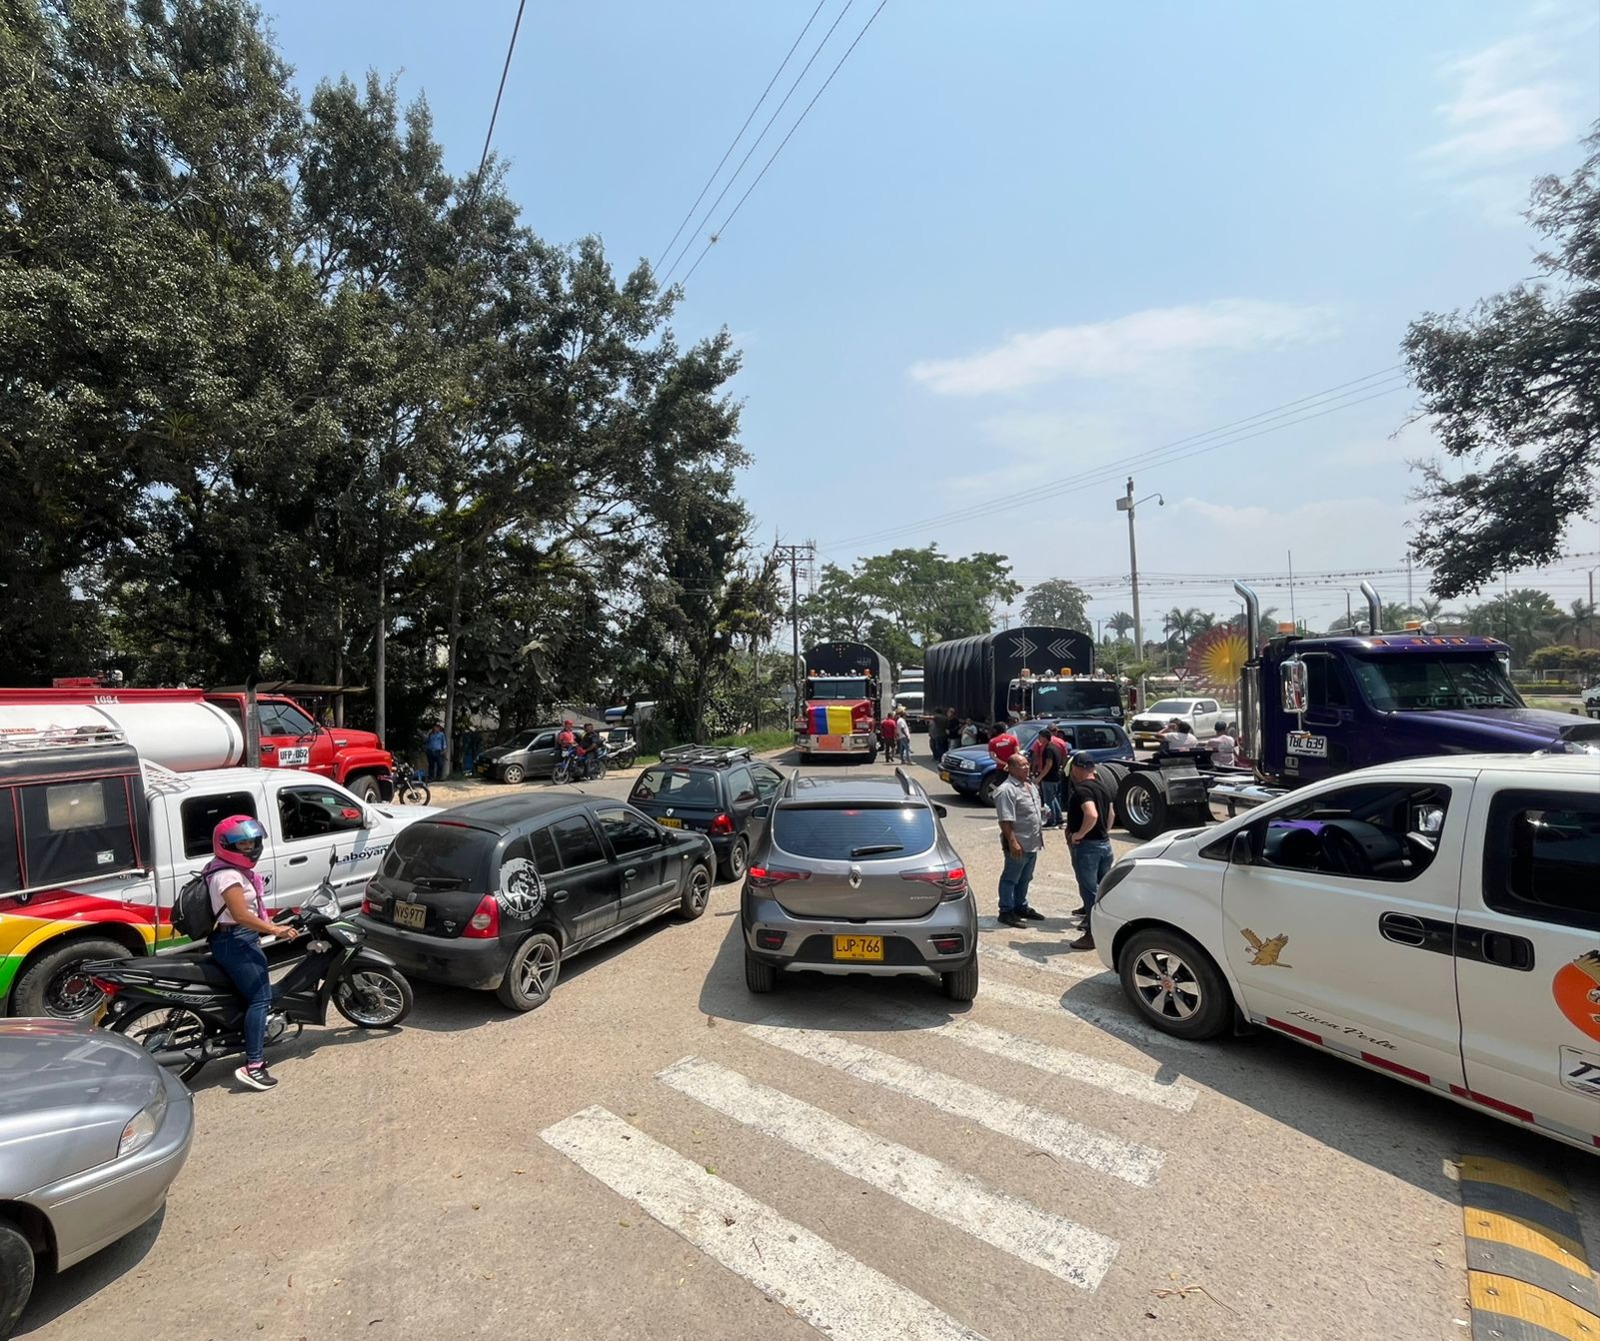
410, 787
184, 1011
573, 768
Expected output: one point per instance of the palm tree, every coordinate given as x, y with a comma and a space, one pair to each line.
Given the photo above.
1577, 620
1120, 623
1395, 616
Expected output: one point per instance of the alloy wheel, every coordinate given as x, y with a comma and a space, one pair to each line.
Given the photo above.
1166, 984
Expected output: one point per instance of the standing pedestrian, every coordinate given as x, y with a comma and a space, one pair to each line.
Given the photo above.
1222, 745
902, 734
938, 736
1048, 758
952, 729
1021, 814
434, 745
887, 731
969, 733
1090, 815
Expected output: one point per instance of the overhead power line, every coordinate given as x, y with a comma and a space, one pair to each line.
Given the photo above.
494, 116
733, 142
723, 226
754, 145
1344, 396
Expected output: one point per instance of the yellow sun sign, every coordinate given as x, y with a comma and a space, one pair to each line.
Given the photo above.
1217, 656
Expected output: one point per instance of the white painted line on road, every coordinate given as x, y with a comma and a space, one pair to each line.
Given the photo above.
1055, 1061
1073, 964
1051, 1242
1050, 1132
1110, 1018
831, 1290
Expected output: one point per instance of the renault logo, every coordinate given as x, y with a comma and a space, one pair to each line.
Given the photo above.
855, 877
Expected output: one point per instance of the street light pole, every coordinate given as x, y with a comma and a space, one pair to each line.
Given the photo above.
1126, 504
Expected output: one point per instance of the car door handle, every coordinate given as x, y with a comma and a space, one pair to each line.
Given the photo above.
298, 861
630, 873
1419, 933
560, 895
1499, 948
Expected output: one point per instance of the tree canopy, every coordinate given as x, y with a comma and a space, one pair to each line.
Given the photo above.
1514, 389
1058, 603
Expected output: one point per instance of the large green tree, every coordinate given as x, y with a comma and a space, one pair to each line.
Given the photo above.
1057, 603
1513, 388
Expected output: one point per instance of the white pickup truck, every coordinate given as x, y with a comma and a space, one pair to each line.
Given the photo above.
1437, 920
95, 842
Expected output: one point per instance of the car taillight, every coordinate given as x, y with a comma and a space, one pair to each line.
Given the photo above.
366, 905
952, 883
485, 922
722, 825
763, 877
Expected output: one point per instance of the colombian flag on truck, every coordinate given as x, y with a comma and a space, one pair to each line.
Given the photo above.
831, 719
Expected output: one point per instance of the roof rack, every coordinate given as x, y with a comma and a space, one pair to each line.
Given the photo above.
706, 754
53, 737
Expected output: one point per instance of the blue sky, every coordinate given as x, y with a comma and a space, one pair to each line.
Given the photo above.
1016, 243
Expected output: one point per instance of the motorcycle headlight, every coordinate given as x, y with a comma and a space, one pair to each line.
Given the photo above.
142, 1127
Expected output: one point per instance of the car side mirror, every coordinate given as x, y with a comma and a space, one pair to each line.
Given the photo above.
940, 811
761, 812
1241, 852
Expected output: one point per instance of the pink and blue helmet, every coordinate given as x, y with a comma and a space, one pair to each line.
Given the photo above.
238, 841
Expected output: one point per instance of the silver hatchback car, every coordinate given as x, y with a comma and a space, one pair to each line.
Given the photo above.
856, 875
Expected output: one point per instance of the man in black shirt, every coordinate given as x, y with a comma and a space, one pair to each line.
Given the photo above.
1090, 814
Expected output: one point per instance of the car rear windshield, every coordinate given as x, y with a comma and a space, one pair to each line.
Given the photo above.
676, 786
441, 856
853, 833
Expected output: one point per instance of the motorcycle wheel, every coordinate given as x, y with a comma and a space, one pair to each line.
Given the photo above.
173, 1035
374, 997
416, 794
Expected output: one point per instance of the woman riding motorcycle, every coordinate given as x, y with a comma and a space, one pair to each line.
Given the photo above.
235, 941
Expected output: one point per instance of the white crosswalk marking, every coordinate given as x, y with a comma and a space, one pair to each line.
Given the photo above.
1043, 1057
1050, 1132
828, 1288
1112, 1019
1052, 1242
1078, 964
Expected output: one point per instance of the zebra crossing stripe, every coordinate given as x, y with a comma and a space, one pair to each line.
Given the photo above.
1109, 1018
1051, 1242
1077, 965
1055, 1061
831, 1290
1050, 1132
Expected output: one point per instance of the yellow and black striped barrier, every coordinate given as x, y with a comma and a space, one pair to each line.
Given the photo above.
1528, 1273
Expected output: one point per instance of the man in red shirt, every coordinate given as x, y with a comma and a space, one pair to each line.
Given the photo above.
1003, 746
567, 737
888, 729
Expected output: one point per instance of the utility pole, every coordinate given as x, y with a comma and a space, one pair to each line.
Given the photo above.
1126, 504
794, 555
1410, 603
1292, 619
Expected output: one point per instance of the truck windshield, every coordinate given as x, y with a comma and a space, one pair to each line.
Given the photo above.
822, 688
1076, 698
1427, 684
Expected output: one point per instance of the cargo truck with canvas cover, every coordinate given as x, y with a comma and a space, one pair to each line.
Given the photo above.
95, 843
1024, 673
195, 728
846, 693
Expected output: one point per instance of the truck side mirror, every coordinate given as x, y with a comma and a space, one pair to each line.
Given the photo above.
1241, 852
1295, 685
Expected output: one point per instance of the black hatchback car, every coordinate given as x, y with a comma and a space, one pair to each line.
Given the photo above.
709, 790
496, 894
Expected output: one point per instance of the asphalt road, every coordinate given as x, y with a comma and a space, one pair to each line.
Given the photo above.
656, 1153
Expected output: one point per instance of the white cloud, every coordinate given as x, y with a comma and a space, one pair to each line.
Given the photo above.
1505, 107
1124, 347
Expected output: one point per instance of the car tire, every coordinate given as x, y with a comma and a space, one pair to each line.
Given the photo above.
759, 976
696, 894
367, 790
1198, 1005
1142, 807
513, 773
738, 858
41, 987
962, 984
531, 975
16, 1275
987, 789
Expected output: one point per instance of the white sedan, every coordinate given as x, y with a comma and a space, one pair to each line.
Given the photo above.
1202, 714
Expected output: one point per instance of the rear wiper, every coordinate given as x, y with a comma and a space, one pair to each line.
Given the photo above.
437, 882
875, 848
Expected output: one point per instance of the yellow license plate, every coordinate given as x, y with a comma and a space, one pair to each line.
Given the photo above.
944, 777
414, 915
868, 948
670, 823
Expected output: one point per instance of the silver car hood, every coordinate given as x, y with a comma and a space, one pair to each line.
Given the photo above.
66, 1092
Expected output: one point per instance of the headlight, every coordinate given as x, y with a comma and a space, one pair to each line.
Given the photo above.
142, 1126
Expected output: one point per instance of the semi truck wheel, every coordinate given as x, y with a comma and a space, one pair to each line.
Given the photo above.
1143, 807
367, 790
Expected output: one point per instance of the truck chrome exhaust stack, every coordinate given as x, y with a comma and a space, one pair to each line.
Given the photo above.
1374, 606
1252, 614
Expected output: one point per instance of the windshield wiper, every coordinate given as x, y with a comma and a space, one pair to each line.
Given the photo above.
874, 849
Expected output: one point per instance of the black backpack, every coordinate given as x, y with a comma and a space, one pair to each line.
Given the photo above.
192, 914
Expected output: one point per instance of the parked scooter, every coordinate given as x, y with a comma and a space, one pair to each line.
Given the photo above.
183, 1009
410, 787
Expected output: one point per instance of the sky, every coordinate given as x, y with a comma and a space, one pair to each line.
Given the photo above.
1014, 245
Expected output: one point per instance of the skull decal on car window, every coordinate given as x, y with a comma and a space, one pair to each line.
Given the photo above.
522, 889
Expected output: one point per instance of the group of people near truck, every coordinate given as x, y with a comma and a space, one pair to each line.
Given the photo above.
893, 736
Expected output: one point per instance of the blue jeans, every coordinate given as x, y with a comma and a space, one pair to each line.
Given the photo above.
1015, 878
435, 765
1091, 860
1050, 794
238, 952
904, 742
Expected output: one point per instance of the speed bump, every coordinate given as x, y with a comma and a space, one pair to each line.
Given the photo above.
1528, 1272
